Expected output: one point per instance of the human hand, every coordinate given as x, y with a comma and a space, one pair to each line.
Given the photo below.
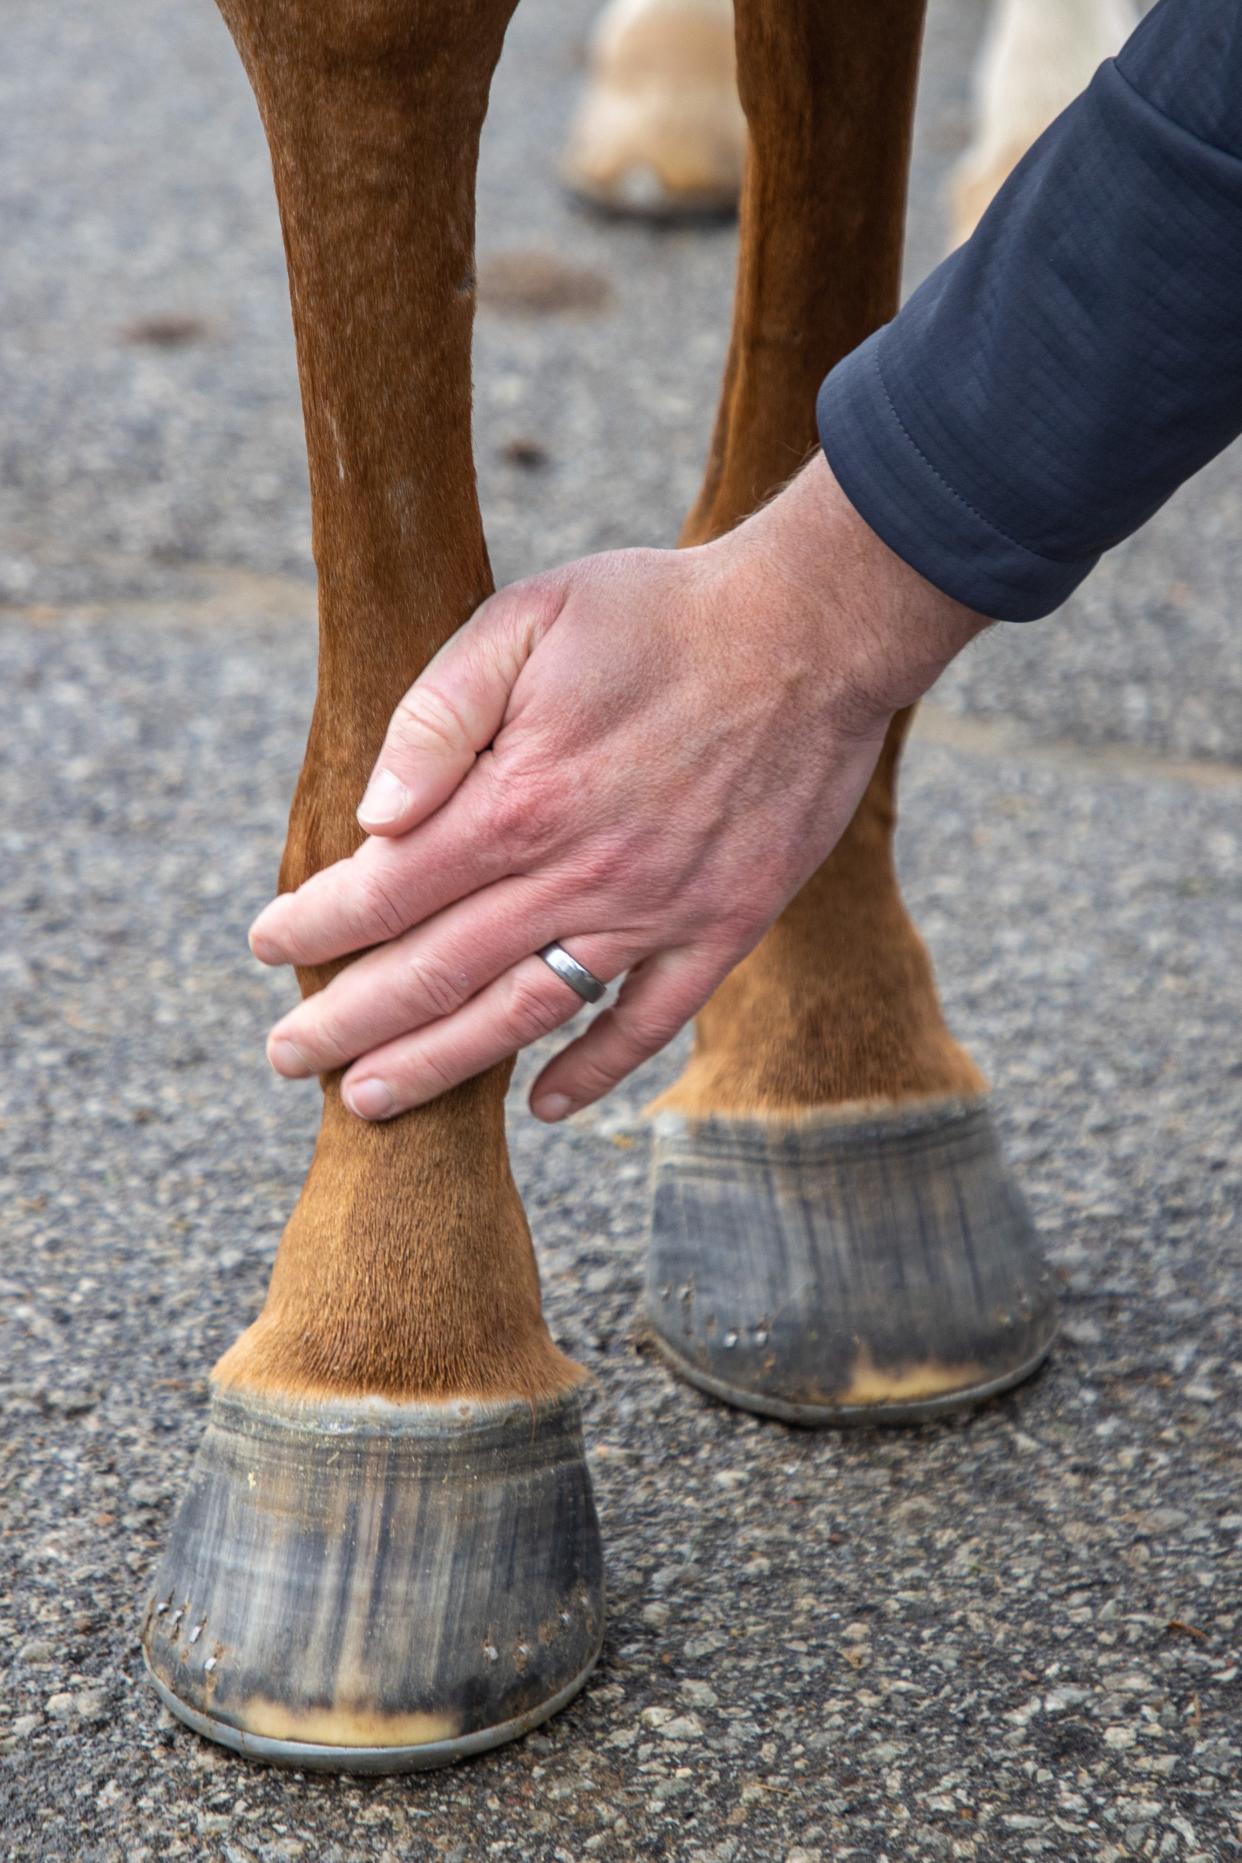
643, 756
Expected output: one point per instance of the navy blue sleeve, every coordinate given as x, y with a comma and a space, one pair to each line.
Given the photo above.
1058, 377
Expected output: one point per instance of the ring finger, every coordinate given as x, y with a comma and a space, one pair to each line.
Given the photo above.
528, 1001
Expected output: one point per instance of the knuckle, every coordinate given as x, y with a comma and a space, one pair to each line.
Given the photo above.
528, 1011
427, 716
434, 989
380, 905
437, 1072
647, 1029
592, 1079
602, 863
523, 814
499, 806
329, 1040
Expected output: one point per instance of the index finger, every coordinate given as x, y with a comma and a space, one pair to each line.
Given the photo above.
455, 707
385, 887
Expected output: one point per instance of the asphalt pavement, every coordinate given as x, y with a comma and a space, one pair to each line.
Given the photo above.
1014, 1635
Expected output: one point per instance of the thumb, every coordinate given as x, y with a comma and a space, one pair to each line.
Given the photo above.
454, 709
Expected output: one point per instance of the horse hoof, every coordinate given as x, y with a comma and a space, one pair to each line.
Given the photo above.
829, 1270
355, 1585
660, 133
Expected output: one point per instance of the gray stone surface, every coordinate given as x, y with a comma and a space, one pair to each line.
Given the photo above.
1014, 1636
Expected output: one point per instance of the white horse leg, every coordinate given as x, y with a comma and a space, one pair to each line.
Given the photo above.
1036, 56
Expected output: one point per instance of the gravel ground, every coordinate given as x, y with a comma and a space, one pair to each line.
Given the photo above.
1011, 1636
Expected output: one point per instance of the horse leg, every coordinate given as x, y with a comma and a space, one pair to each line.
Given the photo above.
835, 1236
1035, 58
659, 131
388, 1555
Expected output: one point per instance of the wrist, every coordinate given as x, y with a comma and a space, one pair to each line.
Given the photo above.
889, 632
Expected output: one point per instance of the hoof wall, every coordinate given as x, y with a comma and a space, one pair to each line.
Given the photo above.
362, 1586
837, 1271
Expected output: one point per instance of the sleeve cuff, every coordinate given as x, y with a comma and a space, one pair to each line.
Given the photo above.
917, 512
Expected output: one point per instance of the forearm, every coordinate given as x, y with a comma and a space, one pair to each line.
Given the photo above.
1054, 381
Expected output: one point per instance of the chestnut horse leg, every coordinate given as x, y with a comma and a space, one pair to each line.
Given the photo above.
388, 1555
835, 1237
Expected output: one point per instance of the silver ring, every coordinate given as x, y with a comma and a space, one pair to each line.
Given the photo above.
570, 971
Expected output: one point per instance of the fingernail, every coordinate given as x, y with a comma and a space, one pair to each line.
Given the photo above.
551, 1107
371, 1099
386, 798
286, 1057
